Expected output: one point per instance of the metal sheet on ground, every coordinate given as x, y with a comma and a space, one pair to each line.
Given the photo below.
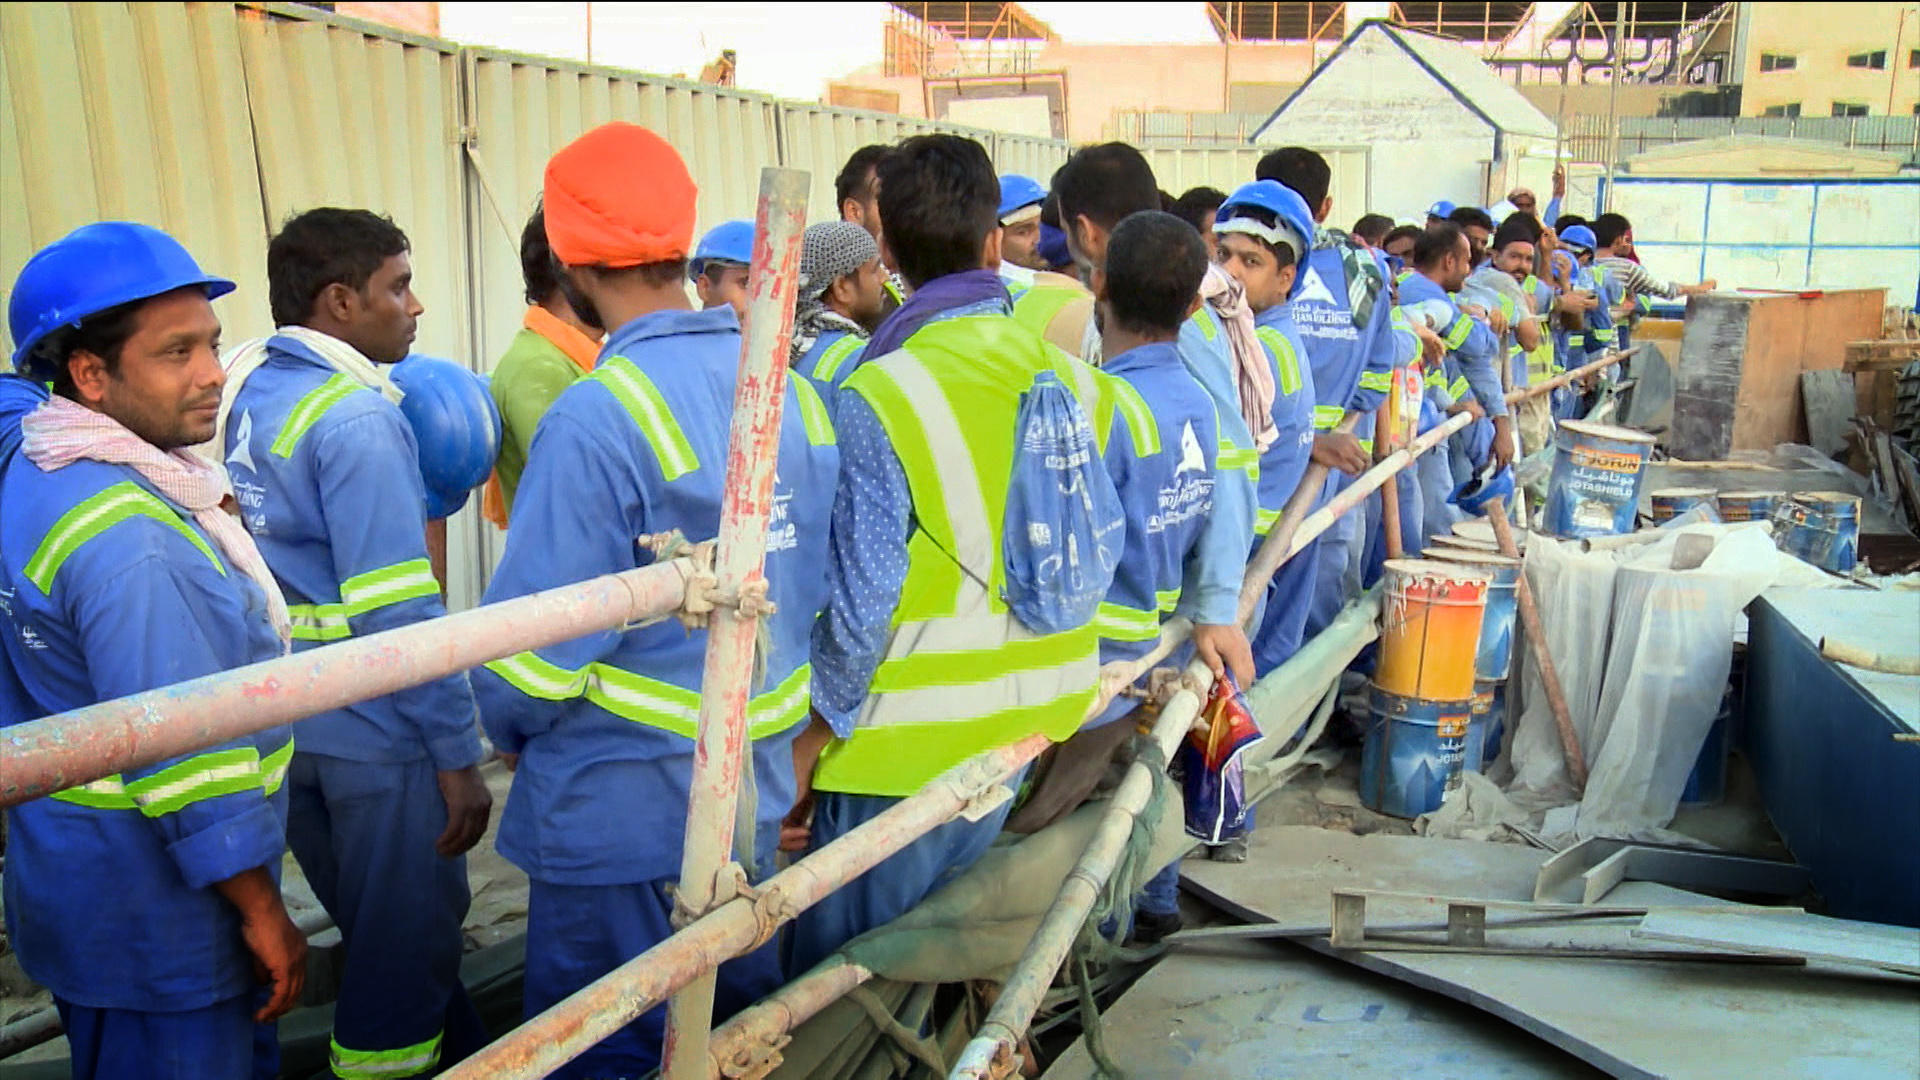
1250, 1012
1629, 1018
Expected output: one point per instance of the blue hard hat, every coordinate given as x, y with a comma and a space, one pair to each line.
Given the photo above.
1285, 204
91, 269
1579, 236
1474, 495
456, 425
1018, 191
1441, 209
1053, 247
729, 241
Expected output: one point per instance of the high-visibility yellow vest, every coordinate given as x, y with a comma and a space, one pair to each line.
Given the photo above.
961, 675
1057, 308
1541, 362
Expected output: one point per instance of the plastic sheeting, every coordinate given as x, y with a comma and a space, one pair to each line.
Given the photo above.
1643, 651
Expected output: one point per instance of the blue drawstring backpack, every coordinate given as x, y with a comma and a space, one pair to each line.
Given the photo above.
1064, 527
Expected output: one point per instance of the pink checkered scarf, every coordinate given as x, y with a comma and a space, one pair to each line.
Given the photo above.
1253, 376
61, 432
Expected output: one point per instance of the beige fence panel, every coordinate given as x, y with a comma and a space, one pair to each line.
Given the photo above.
1227, 167
820, 139
136, 112
1028, 156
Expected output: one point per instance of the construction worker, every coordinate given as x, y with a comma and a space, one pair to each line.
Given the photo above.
1264, 230
603, 725
719, 267
1197, 206
1020, 200
558, 340
1353, 344
148, 901
1438, 212
857, 195
1478, 225
386, 795
1099, 187
1516, 246
1441, 263
838, 303
916, 553
1613, 255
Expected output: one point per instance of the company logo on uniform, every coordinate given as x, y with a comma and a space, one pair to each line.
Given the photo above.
1314, 290
243, 444
1191, 459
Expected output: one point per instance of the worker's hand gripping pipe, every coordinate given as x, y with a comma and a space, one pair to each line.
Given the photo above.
753, 450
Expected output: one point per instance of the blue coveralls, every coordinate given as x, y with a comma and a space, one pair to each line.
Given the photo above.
1296, 416
866, 569
1352, 346
833, 357
1472, 366
327, 477
604, 724
110, 589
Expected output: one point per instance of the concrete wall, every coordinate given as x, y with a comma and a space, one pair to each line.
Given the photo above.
1821, 37
1425, 144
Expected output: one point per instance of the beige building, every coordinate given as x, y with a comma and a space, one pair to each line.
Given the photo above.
1829, 59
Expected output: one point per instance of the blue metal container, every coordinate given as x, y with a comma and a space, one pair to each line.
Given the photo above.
1707, 783
1486, 726
1670, 503
1595, 488
1746, 505
1494, 660
1822, 527
1413, 753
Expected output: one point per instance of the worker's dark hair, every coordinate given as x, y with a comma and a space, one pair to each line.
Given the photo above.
1155, 262
103, 334
856, 176
1106, 183
538, 273
322, 247
1436, 242
1465, 216
1301, 169
1567, 221
1398, 232
1167, 201
1517, 228
939, 199
1609, 228
1373, 228
1196, 206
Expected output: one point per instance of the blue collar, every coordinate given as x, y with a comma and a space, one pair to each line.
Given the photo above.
1154, 354
659, 324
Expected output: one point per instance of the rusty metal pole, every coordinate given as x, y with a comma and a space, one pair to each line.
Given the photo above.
57, 752
1542, 656
726, 680
1389, 491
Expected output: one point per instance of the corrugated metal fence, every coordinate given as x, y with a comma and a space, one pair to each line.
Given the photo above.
1587, 134
217, 121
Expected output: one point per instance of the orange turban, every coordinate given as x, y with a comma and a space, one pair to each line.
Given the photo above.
619, 196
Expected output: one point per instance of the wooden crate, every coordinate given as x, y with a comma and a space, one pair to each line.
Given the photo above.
1737, 386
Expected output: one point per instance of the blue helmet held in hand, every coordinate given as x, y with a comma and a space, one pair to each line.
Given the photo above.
1483, 488
90, 270
456, 425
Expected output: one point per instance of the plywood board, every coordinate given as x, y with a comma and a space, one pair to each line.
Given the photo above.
1873, 945
1830, 400
1631, 1019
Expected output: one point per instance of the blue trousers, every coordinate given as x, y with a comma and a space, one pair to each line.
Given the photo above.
578, 933
1282, 624
1339, 550
1436, 486
890, 889
364, 836
219, 1042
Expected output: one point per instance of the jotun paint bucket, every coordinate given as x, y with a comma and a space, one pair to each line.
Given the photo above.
1822, 527
1595, 488
1413, 754
1737, 506
1430, 629
1494, 658
1486, 726
1670, 503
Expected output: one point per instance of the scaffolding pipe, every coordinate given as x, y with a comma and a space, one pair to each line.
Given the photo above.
742, 924
749, 1044
57, 752
721, 743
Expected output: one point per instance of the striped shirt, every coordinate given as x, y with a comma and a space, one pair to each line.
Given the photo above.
1637, 281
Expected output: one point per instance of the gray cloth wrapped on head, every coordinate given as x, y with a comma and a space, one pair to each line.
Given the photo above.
829, 251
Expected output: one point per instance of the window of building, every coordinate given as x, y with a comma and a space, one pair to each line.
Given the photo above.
1913, 59
1876, 60
1849, 108
1792, 109
1778, 62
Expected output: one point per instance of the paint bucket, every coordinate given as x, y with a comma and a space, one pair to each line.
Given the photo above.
1413, 753
1670, 503
1486, 726
1430, 629
1494, 658
1745, 505
1595, 488
1822, 527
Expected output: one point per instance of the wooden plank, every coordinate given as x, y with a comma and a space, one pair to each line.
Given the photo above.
1830, 401
1840, 941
